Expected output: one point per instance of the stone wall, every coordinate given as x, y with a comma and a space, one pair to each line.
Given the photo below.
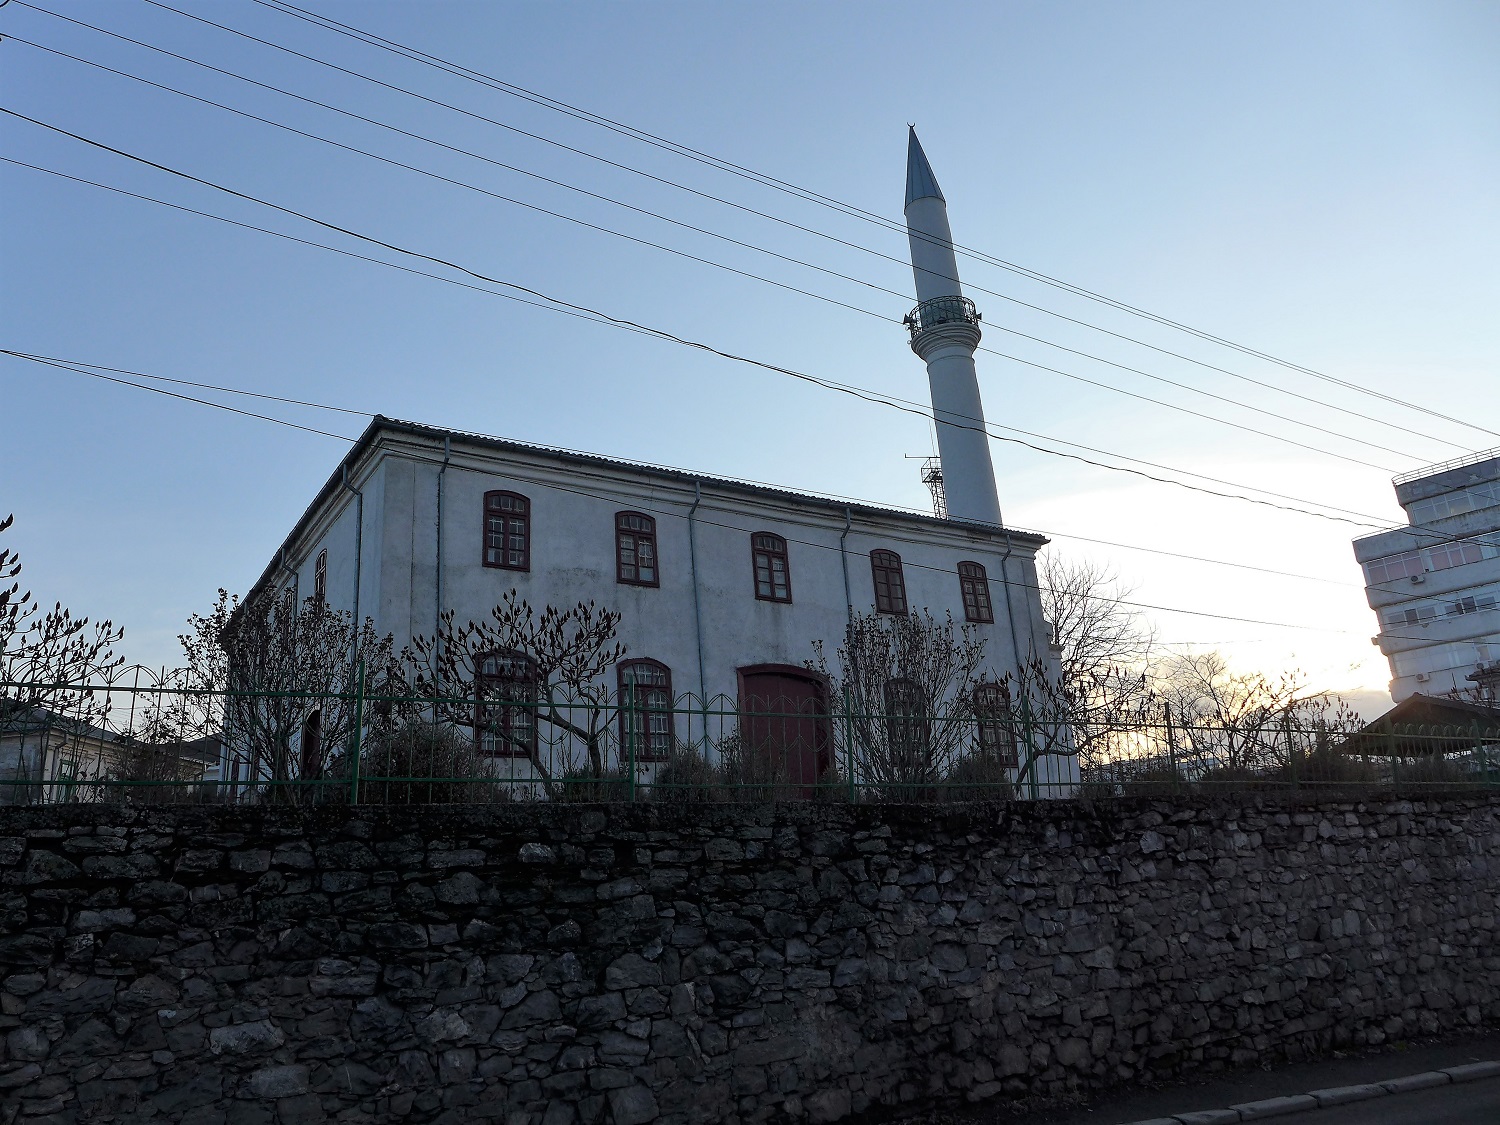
548, 965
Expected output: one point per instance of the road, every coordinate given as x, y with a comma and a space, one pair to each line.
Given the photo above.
1472, 1103
1469, 1103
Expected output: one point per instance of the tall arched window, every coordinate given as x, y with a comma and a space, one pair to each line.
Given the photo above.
908, 726
890, 586
773, 581
975, 587
320, 577
505, 704
645, 710
507, 530
635, 550
997, 731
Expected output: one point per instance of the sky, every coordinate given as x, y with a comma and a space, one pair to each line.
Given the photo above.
1314, 182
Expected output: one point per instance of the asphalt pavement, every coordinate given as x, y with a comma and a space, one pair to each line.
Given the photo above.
1472, 1103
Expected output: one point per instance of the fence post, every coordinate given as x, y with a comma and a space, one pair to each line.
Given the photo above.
1166, 711
1291, 749
848, 721
630, 736
359, 723
1484, 755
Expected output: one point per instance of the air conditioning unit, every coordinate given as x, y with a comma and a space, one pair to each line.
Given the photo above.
1423, 677
1418, 579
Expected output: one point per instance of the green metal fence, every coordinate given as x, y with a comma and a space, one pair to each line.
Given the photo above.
145, 740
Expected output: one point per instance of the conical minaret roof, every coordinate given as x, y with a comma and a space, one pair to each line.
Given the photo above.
920, 182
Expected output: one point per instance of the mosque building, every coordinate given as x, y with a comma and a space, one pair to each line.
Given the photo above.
723, 587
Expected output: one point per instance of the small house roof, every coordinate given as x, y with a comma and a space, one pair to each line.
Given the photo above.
1428, 724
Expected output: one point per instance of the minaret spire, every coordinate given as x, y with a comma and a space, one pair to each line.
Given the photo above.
944, 332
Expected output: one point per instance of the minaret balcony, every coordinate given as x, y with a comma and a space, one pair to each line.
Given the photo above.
940, 310
943, 316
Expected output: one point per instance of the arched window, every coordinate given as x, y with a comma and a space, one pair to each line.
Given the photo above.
320, 577
773, 581
890, 586
505, 704
635, 550
645, 711
908, 726
975, 586
507, 530
997, 731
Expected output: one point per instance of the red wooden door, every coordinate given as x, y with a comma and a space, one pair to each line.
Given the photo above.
785, 728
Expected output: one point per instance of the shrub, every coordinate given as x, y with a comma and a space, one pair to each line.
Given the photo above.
438, 764
1153, 781
1326, 768
977, 777
687, 777
1237, 779
582, 787
1431, 774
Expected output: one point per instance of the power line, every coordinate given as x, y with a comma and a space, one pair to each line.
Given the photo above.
62, 365
807, 194
671, 183
76, 364
720, 265
892, 401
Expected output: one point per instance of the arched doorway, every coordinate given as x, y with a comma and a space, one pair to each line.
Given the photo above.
784, 725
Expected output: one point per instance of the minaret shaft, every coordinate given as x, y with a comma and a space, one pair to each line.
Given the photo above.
945, 332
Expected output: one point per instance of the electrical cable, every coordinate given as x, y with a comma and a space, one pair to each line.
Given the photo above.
807, 194
869, 215
75, 364
731, 269
660, 511
892, 401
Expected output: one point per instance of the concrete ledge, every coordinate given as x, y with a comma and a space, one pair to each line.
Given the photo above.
1469, 1072
1275, 1107
1342, 1095
1335, 1095
1425, 1081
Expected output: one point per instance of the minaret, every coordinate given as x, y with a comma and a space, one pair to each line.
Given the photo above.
944, 332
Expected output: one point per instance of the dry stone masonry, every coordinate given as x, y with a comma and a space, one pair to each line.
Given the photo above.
552, 965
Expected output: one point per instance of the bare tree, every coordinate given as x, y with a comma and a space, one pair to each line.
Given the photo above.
558, 680
1238, 724
1104, 647
51, 664
278, 681
908, 683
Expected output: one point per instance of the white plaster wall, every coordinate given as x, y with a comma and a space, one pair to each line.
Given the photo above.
572, 559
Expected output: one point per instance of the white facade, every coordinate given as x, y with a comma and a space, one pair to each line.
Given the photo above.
1435, 584
403, 525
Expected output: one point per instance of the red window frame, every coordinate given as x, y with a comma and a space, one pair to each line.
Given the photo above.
320, 577
974, 585
507, 518
766, 550
646, 707
992, 714
506, 692
635, 535
890, 584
